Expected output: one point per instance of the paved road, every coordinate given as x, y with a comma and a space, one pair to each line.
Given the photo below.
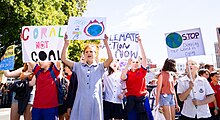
5, 113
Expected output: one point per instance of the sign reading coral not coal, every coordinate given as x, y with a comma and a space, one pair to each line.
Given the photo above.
86, 28
123, 45
185, 43
42, 43
7, 61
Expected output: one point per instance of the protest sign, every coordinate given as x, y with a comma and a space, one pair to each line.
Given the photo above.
86, 28
42, 43
185, 43
122, 45
7, 61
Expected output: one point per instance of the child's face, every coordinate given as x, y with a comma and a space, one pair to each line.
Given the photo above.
44, 65
90, 54
206, 75
215, 78
192, 65
115, 64
135, 64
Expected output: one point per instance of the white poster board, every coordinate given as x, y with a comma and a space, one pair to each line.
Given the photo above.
123, 46
86, 28
185, 43
42, 43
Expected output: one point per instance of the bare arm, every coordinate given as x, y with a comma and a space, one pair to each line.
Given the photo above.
110, 58
64, 52
32, 64
159, 87
216, 107
125, 70
14, 73
185, 94
215, 102
207, 100
33, 81
144, 59
57, 63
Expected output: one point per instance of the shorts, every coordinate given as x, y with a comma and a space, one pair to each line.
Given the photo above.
45, 113
167, 100
112, 110
62, 109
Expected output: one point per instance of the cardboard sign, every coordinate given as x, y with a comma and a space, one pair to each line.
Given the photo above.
185, 43
7, 61
42, 43
86, 28
122, 45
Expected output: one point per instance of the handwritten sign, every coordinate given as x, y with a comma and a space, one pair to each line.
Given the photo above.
7, 61
86, 28
42, 43
185, 43
122, 45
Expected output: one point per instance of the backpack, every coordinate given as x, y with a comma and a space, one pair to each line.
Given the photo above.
58, 84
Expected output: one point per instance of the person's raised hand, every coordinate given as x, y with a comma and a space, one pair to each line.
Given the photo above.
66, 42
105, 39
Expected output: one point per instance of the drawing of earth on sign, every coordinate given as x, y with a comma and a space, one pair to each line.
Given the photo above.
94, 28
174, 40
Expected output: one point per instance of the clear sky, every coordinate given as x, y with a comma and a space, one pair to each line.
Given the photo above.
154, 18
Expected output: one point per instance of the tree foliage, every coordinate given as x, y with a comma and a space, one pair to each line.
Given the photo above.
76, 48
17, 13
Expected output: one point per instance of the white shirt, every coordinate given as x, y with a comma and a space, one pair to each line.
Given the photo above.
201, 89
112, 87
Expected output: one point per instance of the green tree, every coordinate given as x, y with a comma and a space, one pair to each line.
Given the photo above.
76, 48
17, 13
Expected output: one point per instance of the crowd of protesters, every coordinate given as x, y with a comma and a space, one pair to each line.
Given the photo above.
5, 95
96, 91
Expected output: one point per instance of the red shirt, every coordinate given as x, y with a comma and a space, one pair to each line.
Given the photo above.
46, 89
136, 82
167, 83
216, 89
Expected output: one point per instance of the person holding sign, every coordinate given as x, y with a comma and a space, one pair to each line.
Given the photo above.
196, 94
88, 101
166, 95
24, 73
46, 95
136, 88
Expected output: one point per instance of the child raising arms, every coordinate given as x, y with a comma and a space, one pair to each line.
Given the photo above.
88, 101
46, 97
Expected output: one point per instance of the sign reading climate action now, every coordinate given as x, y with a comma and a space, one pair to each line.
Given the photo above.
185, 43
123, 46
